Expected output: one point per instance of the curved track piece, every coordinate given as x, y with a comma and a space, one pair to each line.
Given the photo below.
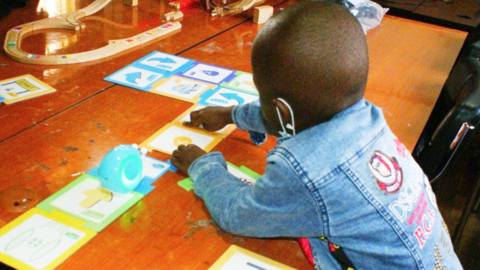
13, 39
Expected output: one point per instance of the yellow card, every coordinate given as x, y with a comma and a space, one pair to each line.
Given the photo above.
41, 240
239, 258
168, 138
181, 88
22, 88
186, 117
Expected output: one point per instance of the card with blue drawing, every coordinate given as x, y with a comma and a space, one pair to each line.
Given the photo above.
21, 88
168, 138
242, 82
85, 199
224, 97
164, 63
181, 88
138, 78
185, 117
209, 73
41, 240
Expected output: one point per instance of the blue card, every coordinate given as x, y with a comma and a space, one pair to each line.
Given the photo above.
163, 63
224, 97
134, 77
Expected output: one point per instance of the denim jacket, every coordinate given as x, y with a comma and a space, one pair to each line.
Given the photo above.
348, 187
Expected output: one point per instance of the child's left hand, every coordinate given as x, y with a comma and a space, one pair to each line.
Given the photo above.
184, 156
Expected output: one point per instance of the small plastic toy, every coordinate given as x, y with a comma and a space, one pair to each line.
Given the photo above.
121, 170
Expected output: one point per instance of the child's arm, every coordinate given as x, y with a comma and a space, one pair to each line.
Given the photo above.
277, 205
246, 116
211, 118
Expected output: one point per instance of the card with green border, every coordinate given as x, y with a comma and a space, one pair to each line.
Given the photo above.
242, 82
84, 198
243, 173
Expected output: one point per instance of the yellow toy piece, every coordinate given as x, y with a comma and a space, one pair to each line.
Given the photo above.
94, 196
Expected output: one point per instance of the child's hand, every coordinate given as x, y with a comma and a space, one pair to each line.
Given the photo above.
184, 156
211, 118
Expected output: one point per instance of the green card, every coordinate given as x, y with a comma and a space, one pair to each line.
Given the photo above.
243, 173
85, 199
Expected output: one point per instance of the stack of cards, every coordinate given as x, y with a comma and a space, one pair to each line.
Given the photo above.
190, 81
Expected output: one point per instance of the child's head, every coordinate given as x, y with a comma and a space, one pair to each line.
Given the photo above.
314, 56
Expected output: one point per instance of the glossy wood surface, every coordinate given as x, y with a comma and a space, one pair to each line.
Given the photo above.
170, 228
78, 82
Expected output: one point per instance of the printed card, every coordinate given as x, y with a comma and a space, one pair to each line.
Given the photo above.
185, 117
237, 258
22, 88
209, 73
152, 170
85, 199
168, 138
41, 240
243, 173
181, 88
164, 63
224, 97
138, 78
242, 82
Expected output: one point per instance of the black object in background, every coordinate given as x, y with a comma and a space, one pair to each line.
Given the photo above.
4, 9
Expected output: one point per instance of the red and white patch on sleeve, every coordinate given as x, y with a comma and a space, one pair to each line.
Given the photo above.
386, 172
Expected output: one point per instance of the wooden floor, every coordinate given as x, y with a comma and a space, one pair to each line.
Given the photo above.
451, 193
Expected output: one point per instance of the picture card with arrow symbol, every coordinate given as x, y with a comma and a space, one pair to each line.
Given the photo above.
135, 77
224, 97
164, 63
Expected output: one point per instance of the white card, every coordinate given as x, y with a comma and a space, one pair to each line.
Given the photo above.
39, 240
240, 261
70, 202
208, 73
175, 136
180, 87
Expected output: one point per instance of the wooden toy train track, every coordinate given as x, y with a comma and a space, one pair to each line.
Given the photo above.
13, 39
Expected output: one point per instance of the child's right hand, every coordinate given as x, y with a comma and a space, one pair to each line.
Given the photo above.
211, 118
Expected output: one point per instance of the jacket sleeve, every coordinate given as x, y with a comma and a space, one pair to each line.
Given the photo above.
249, 117
278, 204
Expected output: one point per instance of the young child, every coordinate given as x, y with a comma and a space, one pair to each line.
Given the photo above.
338, 178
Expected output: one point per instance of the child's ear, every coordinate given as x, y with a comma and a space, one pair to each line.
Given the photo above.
284, 111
